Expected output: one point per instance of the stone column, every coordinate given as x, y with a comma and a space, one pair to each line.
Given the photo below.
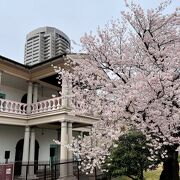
0, 79
32, 154
70, 155
70, 93
1, 73
63, 153
25, 157
35, 93
29, 97
64, 93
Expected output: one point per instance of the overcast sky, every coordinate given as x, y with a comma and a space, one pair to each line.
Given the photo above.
73, 17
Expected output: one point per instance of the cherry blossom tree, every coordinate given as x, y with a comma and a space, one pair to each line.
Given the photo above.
129, 76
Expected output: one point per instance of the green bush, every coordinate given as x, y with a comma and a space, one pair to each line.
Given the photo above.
129, 156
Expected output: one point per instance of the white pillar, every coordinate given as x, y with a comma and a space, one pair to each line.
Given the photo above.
32, 145
70, 93
25, 157
64, 93
63, 153
70, 155
32, 153
1, 73
35, 93
29, 97
0, 78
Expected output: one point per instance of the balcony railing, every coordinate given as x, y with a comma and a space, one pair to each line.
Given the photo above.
21, 108
12, 106
47, 105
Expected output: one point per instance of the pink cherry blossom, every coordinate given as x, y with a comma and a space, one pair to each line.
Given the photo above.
128, 76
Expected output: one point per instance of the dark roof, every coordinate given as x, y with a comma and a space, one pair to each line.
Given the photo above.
47, 61
13, 61
38, 64
35, 65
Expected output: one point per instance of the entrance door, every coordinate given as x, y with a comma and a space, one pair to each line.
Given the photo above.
54, 153
19, 154
18, 157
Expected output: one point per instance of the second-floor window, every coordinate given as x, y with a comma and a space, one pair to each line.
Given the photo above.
2, 96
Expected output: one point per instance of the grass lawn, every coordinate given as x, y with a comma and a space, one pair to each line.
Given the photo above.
149, 175
153, 175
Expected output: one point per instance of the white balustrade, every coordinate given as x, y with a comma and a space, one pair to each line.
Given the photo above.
20, 108
12, 106
46, 105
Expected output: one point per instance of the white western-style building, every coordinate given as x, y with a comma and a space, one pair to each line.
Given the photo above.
31, 118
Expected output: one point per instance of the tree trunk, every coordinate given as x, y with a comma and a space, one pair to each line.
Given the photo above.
170, 167
140, 174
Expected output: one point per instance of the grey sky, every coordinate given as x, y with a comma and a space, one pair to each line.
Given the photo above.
73, 17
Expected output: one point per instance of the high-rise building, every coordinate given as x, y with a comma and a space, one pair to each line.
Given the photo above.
44, 43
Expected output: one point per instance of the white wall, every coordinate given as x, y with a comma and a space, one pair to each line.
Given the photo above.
45, 139
10, 135
13, 93
46, 93
15, 88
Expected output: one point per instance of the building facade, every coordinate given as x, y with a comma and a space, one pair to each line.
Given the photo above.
44, 43
31, 118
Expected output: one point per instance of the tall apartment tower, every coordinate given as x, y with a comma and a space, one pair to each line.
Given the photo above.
44, 43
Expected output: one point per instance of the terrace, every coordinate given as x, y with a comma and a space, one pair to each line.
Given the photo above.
14, 107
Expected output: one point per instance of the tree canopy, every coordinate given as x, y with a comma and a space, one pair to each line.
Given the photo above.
129, 156
129, 76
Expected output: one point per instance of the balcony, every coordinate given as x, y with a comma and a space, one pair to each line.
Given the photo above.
45, 106
43, 112
14, 107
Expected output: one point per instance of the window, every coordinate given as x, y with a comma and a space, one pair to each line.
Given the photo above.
2, 96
